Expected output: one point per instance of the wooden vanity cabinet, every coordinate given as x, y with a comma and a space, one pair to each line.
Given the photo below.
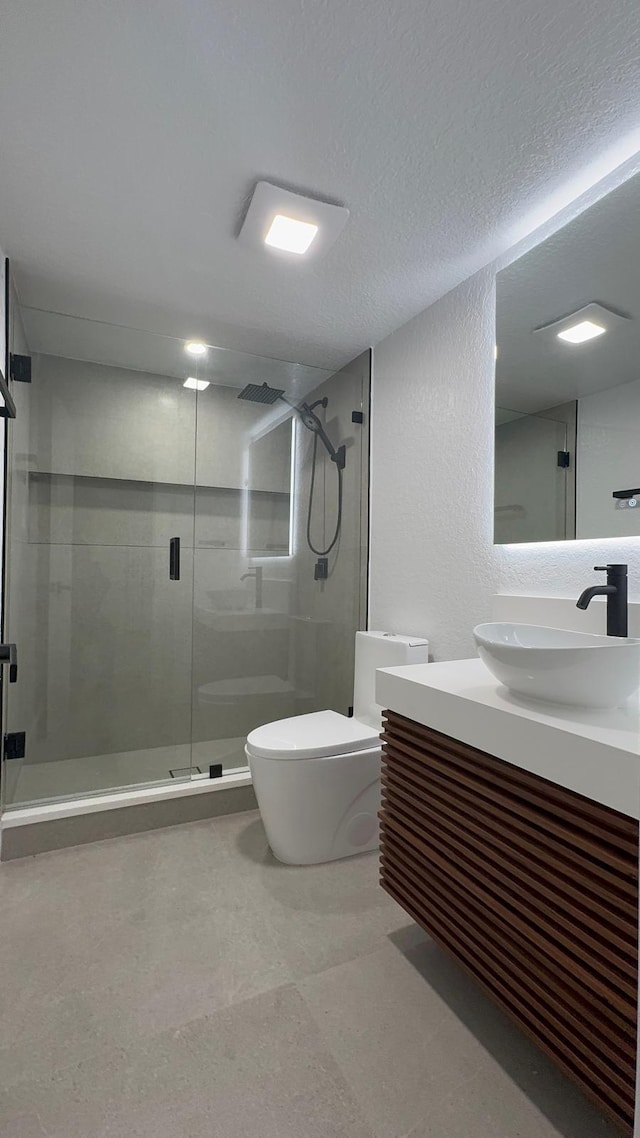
533, 888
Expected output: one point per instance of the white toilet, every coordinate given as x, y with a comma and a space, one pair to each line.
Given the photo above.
317, 776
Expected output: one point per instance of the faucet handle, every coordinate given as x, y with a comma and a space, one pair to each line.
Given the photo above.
600, 568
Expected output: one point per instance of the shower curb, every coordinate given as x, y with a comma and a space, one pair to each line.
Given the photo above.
35, 830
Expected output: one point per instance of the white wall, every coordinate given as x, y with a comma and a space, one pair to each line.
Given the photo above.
433, 562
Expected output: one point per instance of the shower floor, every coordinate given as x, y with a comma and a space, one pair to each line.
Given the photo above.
28, 783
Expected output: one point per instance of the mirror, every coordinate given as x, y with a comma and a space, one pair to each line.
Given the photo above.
567, 423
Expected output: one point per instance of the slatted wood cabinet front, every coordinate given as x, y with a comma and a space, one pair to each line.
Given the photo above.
533, 888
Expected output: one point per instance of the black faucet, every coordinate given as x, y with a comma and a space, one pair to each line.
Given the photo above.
615, 591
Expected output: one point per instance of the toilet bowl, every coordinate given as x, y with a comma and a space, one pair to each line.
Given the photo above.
317, 777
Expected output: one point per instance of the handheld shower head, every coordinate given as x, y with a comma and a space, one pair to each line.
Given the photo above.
261, 393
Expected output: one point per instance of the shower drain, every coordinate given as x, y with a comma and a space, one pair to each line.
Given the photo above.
184, 772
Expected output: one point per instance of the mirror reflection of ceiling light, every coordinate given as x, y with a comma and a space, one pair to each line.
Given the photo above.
195, 348
196, 384
588, 323
580, 333
288, 223
289, 234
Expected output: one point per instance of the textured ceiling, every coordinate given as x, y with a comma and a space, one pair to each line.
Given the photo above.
132, 133
594, 258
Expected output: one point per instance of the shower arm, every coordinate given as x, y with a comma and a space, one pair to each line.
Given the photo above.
304, 409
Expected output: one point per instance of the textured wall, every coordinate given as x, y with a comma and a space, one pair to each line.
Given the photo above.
433, 562
432, 456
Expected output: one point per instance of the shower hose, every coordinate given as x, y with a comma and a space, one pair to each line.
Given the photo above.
322, 552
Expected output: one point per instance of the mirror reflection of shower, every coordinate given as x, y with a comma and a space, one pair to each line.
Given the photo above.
306, 412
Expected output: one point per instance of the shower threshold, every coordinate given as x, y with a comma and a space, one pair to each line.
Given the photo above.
38, 828
31, 784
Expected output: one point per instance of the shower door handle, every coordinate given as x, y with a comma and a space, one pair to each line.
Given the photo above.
9, 655
174, 559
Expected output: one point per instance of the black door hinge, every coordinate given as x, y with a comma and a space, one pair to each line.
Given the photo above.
15, 745
215, 770
564, 458
20, 368
357, 417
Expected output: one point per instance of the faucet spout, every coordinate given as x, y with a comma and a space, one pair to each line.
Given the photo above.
585, 598
257, 575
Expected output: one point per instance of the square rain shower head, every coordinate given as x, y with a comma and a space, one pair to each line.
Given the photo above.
260, 393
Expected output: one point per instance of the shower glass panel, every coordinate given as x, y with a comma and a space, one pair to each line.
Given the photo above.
101, 462
134, 671
270, 639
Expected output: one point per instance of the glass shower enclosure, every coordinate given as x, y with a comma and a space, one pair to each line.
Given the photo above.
159, 585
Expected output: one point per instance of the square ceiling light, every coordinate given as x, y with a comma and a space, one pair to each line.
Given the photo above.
290, 225
291, 235
588, 323
196, 384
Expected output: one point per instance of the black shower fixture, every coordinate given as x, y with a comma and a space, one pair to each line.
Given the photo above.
262, 393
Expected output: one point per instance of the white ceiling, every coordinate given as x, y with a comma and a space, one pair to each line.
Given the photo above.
594, 258
131, 135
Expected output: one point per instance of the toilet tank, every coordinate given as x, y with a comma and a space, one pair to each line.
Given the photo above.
381, 650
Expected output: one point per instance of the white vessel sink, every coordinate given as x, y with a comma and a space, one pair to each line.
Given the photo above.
558, 666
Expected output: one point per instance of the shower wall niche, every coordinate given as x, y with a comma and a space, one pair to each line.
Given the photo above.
128, 676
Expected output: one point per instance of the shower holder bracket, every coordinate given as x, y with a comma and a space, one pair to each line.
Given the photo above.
15, 745
20, 368
340, 457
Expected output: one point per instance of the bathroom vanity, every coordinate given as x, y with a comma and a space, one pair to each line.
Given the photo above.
510, 834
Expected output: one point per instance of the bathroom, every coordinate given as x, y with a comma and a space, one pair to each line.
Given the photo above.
189, 554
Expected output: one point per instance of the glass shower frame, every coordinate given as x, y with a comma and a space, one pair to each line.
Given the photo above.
240, 638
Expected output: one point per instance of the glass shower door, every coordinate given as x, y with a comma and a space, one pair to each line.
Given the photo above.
272, 637
99, 573
160, 584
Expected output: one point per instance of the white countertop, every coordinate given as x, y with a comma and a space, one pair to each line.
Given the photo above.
595, 753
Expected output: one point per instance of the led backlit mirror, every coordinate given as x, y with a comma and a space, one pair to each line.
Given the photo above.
567, 427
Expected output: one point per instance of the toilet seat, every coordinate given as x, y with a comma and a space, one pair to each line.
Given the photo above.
317, 735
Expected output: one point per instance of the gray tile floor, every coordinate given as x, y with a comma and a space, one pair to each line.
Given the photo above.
183, 984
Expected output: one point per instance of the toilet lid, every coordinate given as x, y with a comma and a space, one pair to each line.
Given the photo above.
312, 736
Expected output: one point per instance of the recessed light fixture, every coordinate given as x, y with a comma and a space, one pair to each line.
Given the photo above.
581, 332
290, 234
196, 384
195, 348
588, 323
291, 226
